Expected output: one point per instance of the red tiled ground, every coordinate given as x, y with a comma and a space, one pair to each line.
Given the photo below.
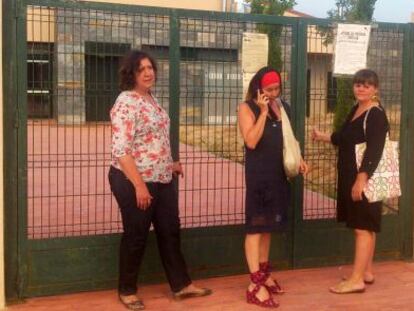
307, 291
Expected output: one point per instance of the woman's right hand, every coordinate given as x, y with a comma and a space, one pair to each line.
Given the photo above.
317, 135
262, 102
143, 196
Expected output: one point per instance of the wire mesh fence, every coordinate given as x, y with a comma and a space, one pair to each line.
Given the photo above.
211, 146
73, 59
73, 56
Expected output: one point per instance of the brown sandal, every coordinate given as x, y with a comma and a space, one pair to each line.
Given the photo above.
191, 294
134, 304
345, 288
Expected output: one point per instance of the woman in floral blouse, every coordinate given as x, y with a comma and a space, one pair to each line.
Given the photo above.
141, 179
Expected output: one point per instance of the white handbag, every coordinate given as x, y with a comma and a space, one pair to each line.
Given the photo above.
385, 182
291, 149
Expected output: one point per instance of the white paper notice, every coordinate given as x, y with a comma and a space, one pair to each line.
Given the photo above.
255, 48
351, 48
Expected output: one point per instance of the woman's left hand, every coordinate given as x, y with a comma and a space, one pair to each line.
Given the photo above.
303, 167
177, 169
358, 187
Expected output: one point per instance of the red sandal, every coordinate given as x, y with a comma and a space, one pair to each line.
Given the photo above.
258, 278
266, 268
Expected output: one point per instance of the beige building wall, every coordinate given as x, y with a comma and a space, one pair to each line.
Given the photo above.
41, 26
210, 5
2, 288
320, 55
316, 42
319, 66
315, 38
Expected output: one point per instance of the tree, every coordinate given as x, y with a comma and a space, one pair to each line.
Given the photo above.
360, 11
272, 7
357, 11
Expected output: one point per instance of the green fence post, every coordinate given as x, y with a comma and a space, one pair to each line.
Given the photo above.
406, 148
10, 153
15, 176
174, 84
298, 111
22, 193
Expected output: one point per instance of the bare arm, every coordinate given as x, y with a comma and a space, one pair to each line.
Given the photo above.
250, 128
321, 136
130, 170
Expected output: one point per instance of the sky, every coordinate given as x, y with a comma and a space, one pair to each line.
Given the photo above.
394, 11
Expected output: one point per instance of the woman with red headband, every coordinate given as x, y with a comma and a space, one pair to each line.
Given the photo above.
267, 187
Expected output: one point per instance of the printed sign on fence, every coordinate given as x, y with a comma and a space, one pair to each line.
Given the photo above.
255, 48
351, 48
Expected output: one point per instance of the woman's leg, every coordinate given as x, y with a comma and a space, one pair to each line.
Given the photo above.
252, 251
167, 229
136, 223
363, 249
264, 250
369, 275
264, 247
364, 244
252, 246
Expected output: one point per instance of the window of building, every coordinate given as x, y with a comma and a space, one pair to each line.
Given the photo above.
102, 61
40, 79
194, 54
332, 92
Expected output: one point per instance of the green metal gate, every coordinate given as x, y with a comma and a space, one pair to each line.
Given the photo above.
62, 224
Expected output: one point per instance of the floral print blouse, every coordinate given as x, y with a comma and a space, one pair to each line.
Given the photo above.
140, 127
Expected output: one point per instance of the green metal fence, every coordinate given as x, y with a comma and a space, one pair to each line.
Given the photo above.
68, 53
73, 59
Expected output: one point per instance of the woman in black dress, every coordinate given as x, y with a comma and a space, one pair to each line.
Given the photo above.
352, 205
267, 187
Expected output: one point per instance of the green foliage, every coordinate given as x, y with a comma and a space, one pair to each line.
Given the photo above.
272, 7
360, 11
344, 101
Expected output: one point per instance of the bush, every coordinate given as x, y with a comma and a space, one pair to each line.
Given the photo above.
345, 101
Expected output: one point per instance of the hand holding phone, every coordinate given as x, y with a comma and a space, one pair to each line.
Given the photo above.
262, 101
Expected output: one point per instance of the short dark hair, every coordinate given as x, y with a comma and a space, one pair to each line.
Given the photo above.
256, 82
366, 76
129, 67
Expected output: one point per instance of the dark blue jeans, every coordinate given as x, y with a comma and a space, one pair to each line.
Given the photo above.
163, 214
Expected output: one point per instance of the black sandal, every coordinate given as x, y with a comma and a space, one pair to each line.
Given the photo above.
135, 304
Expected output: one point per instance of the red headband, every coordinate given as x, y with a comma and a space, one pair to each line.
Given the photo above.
270, 77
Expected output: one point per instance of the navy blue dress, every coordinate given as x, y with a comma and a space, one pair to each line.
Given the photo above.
267, 187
